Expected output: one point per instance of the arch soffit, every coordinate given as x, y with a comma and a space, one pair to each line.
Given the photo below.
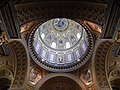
47, 77
22, 64
113, 68
99, 64
113, 57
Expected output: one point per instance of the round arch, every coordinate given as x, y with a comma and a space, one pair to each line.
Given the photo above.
22, 63
112, 63
99, 64
70, 76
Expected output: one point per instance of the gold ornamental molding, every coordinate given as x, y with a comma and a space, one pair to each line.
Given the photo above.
113, 64
99, 65
114, 74
113, 58
21, 63
6, 73
3, 38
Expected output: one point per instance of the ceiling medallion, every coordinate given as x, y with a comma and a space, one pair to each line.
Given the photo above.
60, 24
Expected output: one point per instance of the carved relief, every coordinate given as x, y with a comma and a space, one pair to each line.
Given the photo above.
113, 58
115, 73
3, 38
114, 78
60, 83
86, 77
7, 60
6, 76
21, 65
35, 75
87, 11
6, 72
6, 66
100, 66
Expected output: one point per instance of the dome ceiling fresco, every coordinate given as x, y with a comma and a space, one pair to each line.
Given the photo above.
60, 42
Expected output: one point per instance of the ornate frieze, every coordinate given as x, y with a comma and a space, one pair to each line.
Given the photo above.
100, 65
94, 12
60, 83
21, 65
6, 73
114, 74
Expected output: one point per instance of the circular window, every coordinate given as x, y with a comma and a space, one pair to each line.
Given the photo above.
60, 44
60, 24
